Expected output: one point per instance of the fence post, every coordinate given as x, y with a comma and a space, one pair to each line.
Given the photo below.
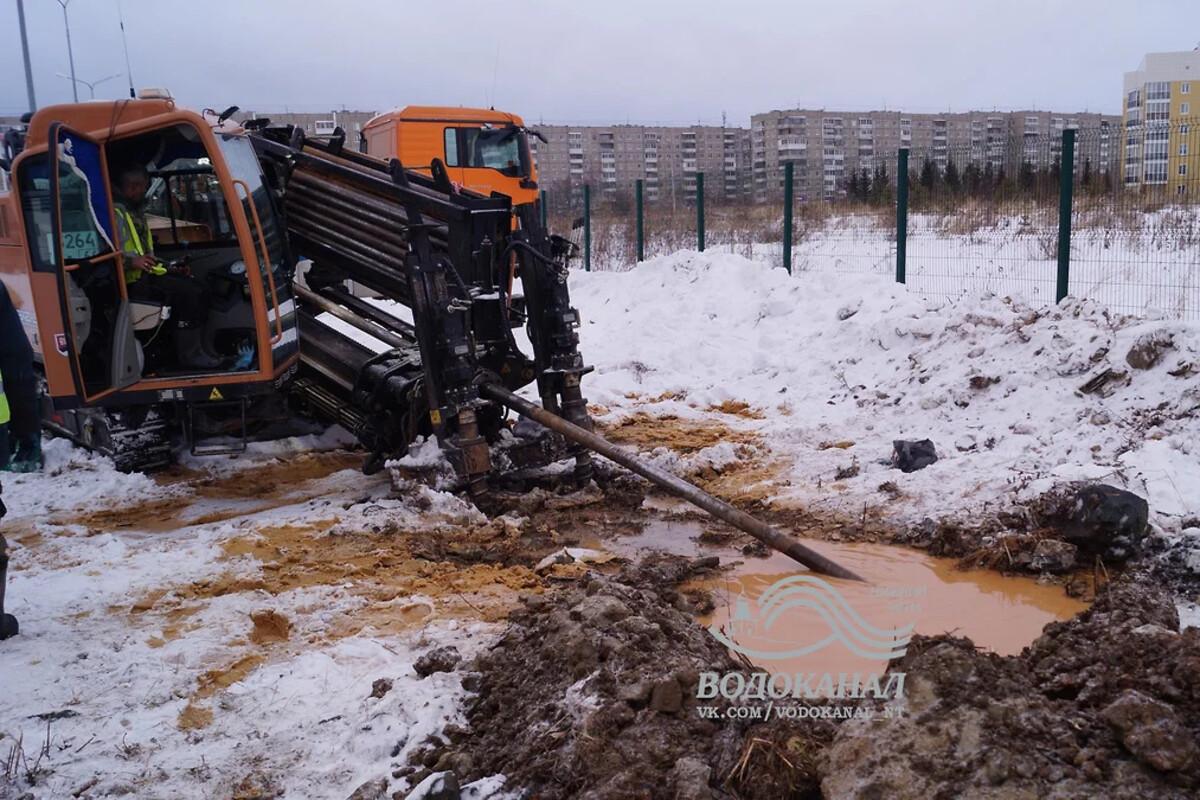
641, 230
700, 211
587, 228
1066, 184
787, 217
901, 213
543, 209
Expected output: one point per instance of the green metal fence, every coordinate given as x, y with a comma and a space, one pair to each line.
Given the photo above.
1110, 214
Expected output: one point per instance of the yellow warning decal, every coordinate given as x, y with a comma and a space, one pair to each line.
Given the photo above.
435, 417
215, 394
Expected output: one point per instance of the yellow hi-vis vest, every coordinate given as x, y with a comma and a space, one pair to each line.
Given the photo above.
129, 229
4, 412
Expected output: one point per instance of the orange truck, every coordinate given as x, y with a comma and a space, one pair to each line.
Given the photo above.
482, 149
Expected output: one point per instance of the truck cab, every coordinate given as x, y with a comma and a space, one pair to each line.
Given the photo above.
212, 219
482, 149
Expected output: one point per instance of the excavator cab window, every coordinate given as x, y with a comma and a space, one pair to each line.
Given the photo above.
275, 266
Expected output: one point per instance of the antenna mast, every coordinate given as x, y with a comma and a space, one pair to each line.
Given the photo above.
125, 44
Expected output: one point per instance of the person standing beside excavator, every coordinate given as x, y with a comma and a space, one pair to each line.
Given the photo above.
20, 422
147, 279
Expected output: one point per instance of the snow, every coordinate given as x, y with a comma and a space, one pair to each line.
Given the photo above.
858, 358
835, 364
1132, 262
73, 479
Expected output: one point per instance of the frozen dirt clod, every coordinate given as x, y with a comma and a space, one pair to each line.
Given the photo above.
1057, 721
440, 659
438, 786
910, 456
1151, 731
1097, 518
1148, 349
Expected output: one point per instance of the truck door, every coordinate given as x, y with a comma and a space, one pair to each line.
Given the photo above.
98, 328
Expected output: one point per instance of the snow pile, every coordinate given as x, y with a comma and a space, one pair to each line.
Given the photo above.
859, 361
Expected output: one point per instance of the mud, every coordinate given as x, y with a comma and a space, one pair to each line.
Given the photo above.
1104, 705
737, 408
241, 493
681, 435
591, 694
902, 588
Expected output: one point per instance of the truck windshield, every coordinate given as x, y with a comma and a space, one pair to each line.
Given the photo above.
500, 149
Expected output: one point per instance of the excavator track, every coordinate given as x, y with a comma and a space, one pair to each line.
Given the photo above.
137, 440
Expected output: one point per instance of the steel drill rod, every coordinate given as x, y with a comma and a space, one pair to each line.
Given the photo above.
350, 318
672, 483
383, 229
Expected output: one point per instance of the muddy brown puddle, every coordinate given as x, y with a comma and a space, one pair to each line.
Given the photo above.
784, 618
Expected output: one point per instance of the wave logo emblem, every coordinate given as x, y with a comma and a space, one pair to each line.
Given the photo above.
807, 592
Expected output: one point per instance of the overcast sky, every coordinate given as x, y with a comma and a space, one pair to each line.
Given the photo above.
611, 61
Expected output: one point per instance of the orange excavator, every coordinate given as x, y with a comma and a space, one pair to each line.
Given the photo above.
275, 225
483, 150
242, 208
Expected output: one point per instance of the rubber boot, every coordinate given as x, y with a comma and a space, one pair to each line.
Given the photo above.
8, 623
27, 455
189, 349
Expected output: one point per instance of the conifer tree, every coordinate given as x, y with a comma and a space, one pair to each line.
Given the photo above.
952, 178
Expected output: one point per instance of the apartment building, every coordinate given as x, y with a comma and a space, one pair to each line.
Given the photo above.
1160, 148
826, 147
667, 159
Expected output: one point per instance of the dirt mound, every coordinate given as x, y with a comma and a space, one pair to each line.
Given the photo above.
592, 694
269, 626
1106, 704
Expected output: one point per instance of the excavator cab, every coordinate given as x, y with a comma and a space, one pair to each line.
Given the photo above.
213, 223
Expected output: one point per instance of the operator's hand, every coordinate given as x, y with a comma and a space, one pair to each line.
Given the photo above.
144, 263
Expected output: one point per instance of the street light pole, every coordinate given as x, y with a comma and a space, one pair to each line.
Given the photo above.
91, 84
70, 53
25, 54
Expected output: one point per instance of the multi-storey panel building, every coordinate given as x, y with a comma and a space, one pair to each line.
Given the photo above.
1160, 147
826, 147
667, 160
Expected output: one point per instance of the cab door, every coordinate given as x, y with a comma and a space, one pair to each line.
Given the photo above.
98, 329
455, 148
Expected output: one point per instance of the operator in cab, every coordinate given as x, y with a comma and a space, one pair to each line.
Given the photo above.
146, 278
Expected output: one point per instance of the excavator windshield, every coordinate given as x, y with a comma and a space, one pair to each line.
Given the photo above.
275, 271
